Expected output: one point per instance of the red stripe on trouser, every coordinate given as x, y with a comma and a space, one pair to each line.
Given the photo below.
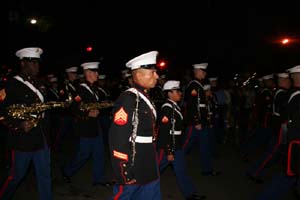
117, 196
272, 154
161, 154
188, 137
289, 170
10, 177
266, 160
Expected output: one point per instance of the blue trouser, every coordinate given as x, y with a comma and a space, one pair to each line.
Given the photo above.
261, 137
279, 186
184, 181
219, 127
19, 167
150, 191
212, 141
105, 122
89, 146
271, 154
194, 135
66, 127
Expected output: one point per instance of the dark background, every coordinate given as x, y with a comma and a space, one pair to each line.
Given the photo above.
232, 36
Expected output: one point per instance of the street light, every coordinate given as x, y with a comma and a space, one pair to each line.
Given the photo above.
89, 49
33, 21
285, 41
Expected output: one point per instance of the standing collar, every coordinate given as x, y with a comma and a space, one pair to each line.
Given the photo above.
141, 89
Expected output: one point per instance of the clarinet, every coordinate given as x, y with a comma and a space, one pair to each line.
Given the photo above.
135, 122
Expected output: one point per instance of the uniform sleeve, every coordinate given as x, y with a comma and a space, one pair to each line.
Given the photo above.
165, 125
78, 99
191, 96
13, 124
119, 134
281, 102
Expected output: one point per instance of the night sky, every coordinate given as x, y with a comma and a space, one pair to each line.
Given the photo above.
232, 36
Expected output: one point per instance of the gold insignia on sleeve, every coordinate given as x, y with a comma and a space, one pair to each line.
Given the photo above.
77, 98
165, 120
120, 155
194, 93
121, 117
2, 94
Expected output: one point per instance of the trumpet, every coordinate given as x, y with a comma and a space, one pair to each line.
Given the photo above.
95, 105
34, 112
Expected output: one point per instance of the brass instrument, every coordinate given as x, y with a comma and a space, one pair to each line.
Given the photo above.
95, 105
34, 112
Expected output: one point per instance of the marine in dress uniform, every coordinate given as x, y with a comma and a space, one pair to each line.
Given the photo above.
283, 182
197, 119
212, 117
53, 95
67, 93
105, 117
157, 93
27, 141
279, 128
87, 127
131, 135
170, 139
263, 133
69, 89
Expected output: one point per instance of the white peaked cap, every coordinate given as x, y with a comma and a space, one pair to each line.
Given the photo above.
50, 75
53, 79
90, 65
102, 76
171, 85
213, 79
266, 77
206, 87
31, 52
200, 66
163, 76
72, 69
295, 69
146, 60
125, 71
128, 74
282, 75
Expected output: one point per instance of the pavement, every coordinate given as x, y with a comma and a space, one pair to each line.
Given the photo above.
231, 184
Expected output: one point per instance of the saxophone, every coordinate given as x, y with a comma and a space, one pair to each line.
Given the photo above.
34, 112
95, 105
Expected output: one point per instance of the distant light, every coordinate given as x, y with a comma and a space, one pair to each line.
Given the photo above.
33, 21
285, 41
89, 49
162, 64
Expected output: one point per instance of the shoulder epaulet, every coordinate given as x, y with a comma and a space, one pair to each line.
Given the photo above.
194, 81
166, 105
